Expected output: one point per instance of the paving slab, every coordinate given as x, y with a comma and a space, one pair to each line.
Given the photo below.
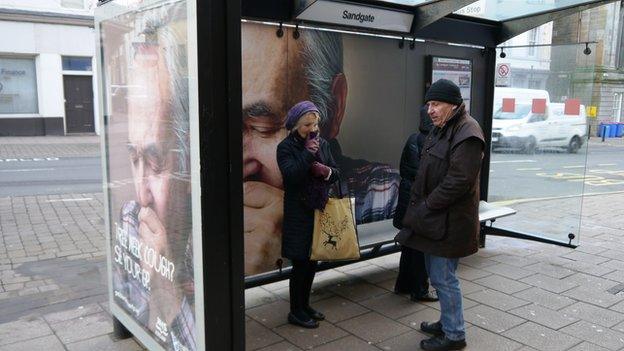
596, 334
497, 299
47, 343
347, 343
24, 329
594, 314
83, 328
310, 338
373, 327
482, 340
392, 305
105, 343
282, 346
338, 309
502, 284
544, 316
548, 283
491, 319
258, 336
272, 314
404, 342
545, 298
541, 338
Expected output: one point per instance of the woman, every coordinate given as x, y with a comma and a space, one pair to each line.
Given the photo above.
412, 278
308, 169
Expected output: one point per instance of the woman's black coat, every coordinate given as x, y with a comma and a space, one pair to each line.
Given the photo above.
410, 160
294, 161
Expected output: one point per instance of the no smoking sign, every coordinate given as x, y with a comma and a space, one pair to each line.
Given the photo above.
503, 73
503, 70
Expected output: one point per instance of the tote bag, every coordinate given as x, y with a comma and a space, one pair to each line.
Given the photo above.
335, 235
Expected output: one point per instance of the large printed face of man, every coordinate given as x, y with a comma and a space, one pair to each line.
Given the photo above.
161, 194
273, 81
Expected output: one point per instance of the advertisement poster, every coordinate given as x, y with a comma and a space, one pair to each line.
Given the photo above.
456, 70
367, 114
144, 64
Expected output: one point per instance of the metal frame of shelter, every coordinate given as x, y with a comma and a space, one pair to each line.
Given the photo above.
220, 125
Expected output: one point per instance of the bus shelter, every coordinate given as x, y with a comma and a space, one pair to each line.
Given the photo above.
194, 95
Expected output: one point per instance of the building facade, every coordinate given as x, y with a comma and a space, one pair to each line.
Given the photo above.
47, 65
600, 78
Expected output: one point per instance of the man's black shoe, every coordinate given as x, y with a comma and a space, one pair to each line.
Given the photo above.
441, 343
310, 323
434, 328
427, 297
314, 314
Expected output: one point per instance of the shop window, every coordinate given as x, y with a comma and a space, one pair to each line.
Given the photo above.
73, 4
18, 86
72, 63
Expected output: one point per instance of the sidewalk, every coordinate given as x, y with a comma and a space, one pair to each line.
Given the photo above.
49, 146
519, 295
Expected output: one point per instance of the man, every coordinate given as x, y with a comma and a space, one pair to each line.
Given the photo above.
158, 224
278, 73
442, 219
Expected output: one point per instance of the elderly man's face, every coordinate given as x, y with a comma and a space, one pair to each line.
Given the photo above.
440, 112
151, 141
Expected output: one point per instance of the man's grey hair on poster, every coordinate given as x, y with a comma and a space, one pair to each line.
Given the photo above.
322, 57
158, 30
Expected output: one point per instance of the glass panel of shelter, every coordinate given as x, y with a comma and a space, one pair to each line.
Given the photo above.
539, 140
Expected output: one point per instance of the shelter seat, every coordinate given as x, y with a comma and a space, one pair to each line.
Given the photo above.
489, 213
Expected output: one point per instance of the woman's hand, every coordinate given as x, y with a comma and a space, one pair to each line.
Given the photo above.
320, 170
312, 145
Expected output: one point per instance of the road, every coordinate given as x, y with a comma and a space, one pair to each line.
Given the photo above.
52, 175
513, 176
548, 174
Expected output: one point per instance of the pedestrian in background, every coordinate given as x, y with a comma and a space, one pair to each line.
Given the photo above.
412, 278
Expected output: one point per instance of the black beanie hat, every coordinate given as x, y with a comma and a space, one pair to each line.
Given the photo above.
444, 90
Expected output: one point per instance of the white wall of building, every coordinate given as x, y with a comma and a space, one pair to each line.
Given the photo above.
537, 58
48, 43
50, 85
49, 6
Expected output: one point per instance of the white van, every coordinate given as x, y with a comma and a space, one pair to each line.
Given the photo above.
527, 131
570, 131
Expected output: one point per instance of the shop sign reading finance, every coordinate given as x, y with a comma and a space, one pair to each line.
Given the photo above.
357, 16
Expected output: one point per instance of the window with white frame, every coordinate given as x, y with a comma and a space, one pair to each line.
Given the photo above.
18, 86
